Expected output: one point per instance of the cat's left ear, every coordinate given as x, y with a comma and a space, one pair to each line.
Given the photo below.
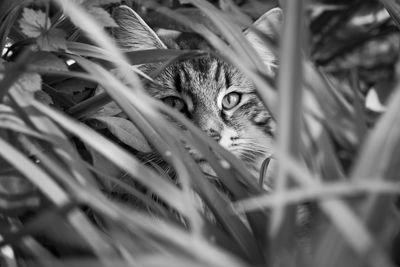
132, 32
269, 24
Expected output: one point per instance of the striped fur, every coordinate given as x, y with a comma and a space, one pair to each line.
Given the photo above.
201, 86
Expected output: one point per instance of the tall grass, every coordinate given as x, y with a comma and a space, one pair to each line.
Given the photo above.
78, 190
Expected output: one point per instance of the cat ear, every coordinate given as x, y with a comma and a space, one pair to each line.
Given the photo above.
269, 24
133, 33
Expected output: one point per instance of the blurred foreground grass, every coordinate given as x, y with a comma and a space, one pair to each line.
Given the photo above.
78, 195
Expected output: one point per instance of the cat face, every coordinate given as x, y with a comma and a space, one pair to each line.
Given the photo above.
216, 96
222, 102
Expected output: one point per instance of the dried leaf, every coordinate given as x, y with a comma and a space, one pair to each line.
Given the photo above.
125, 131
31, 82
43, 97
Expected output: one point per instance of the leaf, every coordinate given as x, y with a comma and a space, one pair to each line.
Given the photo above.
30, 82
102, 16
44, 97
109, 109
53, 40
104, 166
48, 61
10, 120
125, 131
71, 87
33, 23
168, 192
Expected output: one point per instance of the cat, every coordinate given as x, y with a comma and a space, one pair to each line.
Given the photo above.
213, 94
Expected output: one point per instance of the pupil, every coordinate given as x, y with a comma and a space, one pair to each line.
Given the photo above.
230, 100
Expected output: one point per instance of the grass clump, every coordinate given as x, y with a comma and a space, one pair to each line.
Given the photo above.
93, 176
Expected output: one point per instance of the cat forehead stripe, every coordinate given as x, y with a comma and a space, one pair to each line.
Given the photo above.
189, 102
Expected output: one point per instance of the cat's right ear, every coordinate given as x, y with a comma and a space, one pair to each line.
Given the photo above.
270, 25
133, 33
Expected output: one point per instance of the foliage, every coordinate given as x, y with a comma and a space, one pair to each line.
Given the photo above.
91, 173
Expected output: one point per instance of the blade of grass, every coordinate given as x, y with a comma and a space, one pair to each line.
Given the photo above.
59, 171
336, 23
198, 248
289, 127
85, 230
376, 209
232, 224
87, 107
120, 158
233, 34
318, 192
393, 7
233, 169
264, 89
64, 149
42, 255
75, 217
32, 172
9, 11
148, 122
232, 9
134, 57
359, 109
338, 113
342, 216
140, 105
94, 31
89, 196
157, 230
234, 164
8, 122
96, 70
13, 73
145, 198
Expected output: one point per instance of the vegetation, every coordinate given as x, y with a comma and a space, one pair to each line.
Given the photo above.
77, 186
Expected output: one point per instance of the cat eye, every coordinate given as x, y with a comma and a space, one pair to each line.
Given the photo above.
231, 100
174, 102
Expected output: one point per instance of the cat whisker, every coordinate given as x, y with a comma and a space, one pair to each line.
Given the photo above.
244, 157
252, 147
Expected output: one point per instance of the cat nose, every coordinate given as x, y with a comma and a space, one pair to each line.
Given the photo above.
214, 135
